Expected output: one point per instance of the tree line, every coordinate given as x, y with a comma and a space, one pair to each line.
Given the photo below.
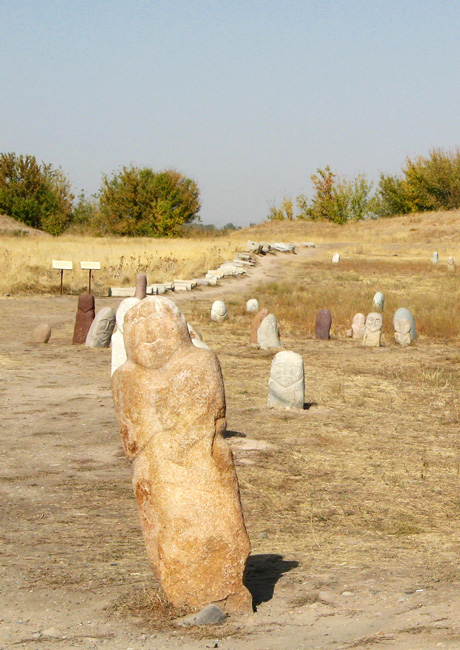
426, 183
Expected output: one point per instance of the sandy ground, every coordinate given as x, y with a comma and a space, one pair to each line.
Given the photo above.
71, 543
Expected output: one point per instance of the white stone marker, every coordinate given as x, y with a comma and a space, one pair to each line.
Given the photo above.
268, 334
336, 258
252, 305
218, 311
378, 301
435, 258
287, 381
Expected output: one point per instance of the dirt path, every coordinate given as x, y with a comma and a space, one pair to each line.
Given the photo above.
73, 554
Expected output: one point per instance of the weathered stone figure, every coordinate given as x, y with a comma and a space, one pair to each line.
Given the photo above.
258, 318
435, 258
41, 333
252, 305
323, 324
378, 301
373, 331
170, 404
101, 329
268, 334
218, 311
141, 286
357, 327
336, 258
404, 324
450, 264
287, 381
118, 343
85, 316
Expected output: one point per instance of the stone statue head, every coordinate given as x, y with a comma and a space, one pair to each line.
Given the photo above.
153, 330
86, 302
123, 307
219, 307
374, 322
287, 368
358, 321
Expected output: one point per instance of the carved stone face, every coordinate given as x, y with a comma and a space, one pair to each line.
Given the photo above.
142, 329
374, 322
285, 372
219, 308
359, 321
86, 302
402, 331
105, 327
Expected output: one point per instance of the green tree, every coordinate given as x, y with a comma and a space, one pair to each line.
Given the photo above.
35, 193
141, 202
285, 211
322, 206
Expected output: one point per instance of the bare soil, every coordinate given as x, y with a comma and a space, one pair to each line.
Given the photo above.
10, 226
352, 505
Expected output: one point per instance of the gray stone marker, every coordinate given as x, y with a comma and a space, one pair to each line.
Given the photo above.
323, 324
268, 334
378, 301
357, 327
41, 333
286, 387
118, 344
218, 311
373, 332
404, 324
252, 305
101, 329
435, 258
450, 264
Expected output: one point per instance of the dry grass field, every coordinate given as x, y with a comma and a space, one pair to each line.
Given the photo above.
352, 505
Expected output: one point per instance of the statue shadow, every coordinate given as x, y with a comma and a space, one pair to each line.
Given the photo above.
263, 572
308, 405
234, 434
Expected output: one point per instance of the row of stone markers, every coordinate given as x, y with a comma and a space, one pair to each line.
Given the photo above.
450, 261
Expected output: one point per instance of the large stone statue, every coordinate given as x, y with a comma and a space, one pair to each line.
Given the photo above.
101, 329
118, 343
170, 404
404, 324
287, 381
373, 331
323, 324
84, 318
357, 327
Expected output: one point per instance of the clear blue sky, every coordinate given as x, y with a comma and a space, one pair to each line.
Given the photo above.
248, 98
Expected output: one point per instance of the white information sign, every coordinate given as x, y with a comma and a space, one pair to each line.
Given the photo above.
91, 266
62, 265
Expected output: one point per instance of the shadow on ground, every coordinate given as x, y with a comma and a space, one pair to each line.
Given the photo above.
263, 572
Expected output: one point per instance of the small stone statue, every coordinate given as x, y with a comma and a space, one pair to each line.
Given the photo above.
378, 301
373, 331
258, 318
268, 334
41, 333
336, 258
170, 404
141, 286
85, 316
252, 305
218, 311
450, 264
435, 258
287, 381
101, 329
357, 327
404, 324
118, 344
323, 324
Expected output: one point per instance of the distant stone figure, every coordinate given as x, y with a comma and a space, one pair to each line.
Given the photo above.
85, 316
118, 344
336, 258
287, 381
258, 318
252, 305
141, 286
100, 332
378, 301
41, 333
323, 324
170, 405
404, 324
373, 331
219, 311
450, 264
357, 327
435, 258
268, 334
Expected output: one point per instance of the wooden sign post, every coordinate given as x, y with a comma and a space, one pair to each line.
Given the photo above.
62, 265
90, 266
